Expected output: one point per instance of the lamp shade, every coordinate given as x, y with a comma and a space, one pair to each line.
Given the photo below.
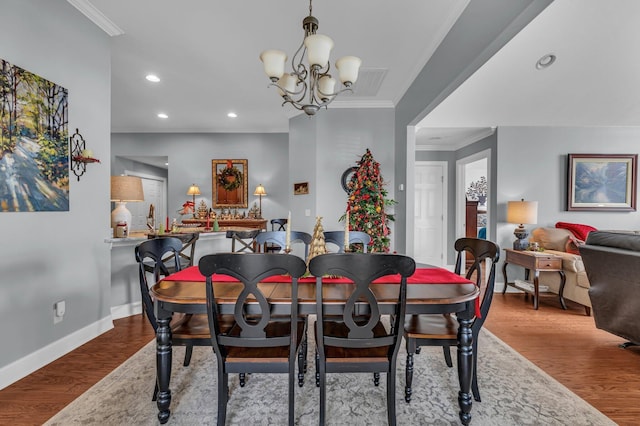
273, 61
348, 67
318, 49
193, 190
522, 212
326, 86
260, 190
126, 188
288, 83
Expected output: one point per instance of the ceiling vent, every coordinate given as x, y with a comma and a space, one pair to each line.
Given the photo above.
369, 82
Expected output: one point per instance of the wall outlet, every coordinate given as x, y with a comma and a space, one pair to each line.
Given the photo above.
59, 308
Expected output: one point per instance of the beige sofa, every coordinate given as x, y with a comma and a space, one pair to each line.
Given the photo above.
576, 289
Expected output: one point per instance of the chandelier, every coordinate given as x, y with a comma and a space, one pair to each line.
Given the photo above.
309, 89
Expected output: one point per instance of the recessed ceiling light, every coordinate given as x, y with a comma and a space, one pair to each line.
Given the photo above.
153, 78
163, 115
232, 115
546, 61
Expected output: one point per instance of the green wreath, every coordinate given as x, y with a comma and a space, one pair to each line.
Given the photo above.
230, 172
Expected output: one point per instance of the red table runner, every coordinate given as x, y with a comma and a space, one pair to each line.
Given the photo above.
421, 276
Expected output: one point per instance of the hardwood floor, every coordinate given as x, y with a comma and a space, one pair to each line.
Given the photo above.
565, 344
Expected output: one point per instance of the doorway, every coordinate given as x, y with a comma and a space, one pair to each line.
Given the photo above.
473, 196
430, 211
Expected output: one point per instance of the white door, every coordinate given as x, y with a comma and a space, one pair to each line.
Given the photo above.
430, 209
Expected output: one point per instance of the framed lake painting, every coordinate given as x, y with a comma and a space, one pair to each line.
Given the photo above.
602, 182
34, 146
229, 183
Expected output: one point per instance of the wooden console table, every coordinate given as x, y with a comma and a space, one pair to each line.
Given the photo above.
231, 223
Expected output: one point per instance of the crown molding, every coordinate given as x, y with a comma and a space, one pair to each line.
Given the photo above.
97, 17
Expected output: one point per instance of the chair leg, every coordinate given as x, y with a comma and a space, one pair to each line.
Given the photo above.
323, 392
376, 379
187, 355
155, 393
302, 361
223, 395
447, 356
243, 379
391, 395
474, 380
292, 393
408, 377
317, 370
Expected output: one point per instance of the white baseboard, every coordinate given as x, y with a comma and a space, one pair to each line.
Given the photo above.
126, 310
28, 364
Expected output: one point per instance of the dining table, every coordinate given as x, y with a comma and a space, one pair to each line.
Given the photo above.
430, 290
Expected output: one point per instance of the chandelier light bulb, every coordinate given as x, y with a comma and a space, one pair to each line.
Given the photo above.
273, 61
348, 67
318, 49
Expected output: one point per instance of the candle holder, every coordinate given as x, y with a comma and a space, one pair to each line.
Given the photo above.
287, 249
207, 229
348, 250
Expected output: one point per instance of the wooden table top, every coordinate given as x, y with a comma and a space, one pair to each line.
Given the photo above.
193, 292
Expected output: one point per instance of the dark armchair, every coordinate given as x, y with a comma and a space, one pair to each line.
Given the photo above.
612, 262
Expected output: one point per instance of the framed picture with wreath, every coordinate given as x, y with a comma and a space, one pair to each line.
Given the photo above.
229, 183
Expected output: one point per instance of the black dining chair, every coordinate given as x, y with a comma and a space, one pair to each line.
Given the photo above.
276, 225
442, 330
185, 255
246, 240
357, 343
186, 330
259, 341
361, 239
280, 238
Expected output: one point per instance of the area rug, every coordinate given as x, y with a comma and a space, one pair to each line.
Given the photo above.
513, 391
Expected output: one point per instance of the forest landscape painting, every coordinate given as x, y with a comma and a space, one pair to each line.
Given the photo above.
34, 153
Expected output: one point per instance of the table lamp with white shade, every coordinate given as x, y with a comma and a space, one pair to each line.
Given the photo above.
260, 191
522, 212
193, 191
124, 189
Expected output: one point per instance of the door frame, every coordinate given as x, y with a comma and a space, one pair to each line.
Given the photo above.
461, 191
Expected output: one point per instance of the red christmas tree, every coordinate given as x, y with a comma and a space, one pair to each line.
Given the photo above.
367, 203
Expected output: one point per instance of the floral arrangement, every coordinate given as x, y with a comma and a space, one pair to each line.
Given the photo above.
477, 190
367, 203
230, 177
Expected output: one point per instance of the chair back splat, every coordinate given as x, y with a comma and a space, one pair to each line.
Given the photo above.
278, 238
359, 340
245, 239
355, 237
259, 341
442, 330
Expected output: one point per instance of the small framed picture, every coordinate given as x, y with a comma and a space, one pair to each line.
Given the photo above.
301, 188
602, 182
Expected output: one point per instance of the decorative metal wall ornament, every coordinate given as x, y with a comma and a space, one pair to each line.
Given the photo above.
80, 155
314, 83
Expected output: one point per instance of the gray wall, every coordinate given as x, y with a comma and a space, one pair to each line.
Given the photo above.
322, 148
532, 164
51, 256
482, 29
190, 156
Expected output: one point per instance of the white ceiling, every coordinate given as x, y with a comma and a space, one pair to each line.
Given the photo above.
595, 80
207, 57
